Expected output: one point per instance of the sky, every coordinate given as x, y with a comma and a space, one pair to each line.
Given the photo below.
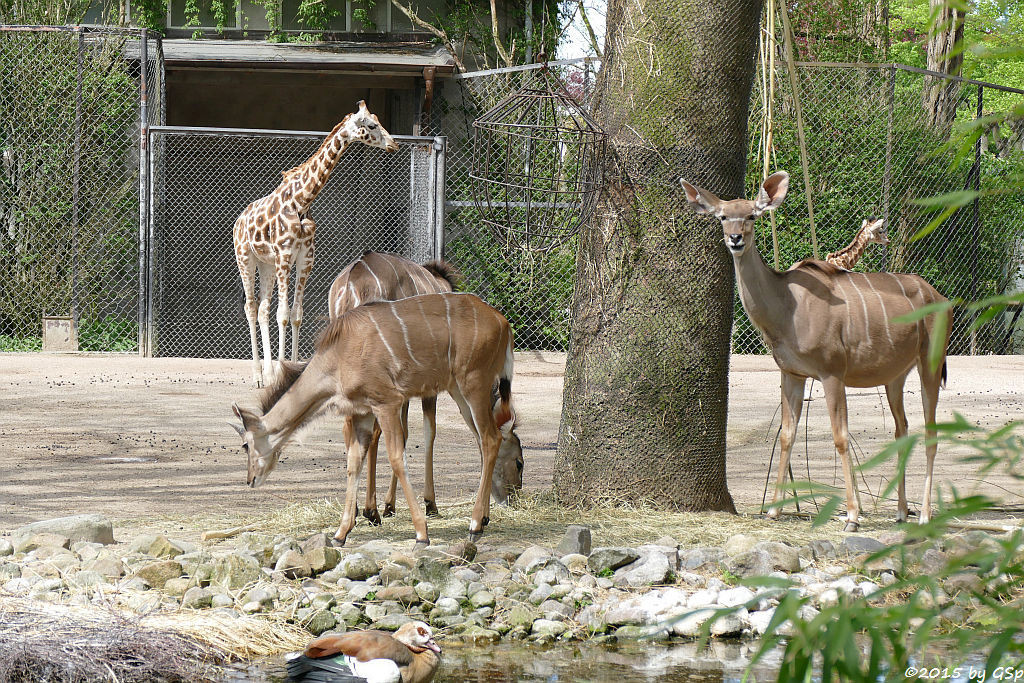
575, 42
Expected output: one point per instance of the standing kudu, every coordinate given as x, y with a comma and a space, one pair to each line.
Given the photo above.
387, 277
369, 363
834, 326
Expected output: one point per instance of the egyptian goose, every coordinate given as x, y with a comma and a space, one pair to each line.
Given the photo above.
408, 656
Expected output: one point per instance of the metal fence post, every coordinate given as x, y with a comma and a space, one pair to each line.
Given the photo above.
976, 219
440, 148
887, 181
143, 191
76, 175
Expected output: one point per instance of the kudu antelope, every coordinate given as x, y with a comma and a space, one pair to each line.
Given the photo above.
834, 326
371, 361
387, 277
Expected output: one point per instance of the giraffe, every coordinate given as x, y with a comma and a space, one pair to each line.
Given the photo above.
275, 236
871, 230
830, 324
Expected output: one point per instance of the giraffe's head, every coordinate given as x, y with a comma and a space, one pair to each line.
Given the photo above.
362, 126
738, 215
874, 230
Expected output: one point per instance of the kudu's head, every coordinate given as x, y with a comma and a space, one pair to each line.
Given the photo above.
507, 480
738, 215
364, 127
874, 230
262, 453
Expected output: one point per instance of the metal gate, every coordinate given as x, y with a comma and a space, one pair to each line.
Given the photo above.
202, 178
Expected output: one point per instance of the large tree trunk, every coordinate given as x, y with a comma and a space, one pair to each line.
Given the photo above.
646, 384
944, 35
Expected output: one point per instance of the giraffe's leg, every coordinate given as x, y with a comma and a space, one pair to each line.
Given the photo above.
266, 293
303, 267
285, 262
792, 405
247, 270
429, 429
894, 392
835, 397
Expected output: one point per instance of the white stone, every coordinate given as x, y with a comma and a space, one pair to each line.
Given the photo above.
735, 596
703, 598
690, 625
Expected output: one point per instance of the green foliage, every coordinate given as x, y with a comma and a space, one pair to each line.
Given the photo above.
108, 334
10, 344
361, 12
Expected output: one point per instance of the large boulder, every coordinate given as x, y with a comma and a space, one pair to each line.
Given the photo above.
92, 528
602, 559
576, 540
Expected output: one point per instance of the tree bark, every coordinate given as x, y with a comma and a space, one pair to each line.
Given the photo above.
646, 384
944, 36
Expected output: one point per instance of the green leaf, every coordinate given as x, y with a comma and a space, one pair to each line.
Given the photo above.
936, 222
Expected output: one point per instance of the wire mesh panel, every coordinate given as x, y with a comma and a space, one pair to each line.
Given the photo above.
204, 178
70, 108
872, 151
532, 288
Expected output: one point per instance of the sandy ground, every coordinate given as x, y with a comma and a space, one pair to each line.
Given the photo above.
142, 440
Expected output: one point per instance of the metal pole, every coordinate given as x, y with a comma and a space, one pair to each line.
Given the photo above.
76, 216
440, 151
143, 192
887, 183
976, 220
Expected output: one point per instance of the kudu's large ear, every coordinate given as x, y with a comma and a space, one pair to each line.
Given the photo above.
249, 420
700, 200
238, 428
773, 191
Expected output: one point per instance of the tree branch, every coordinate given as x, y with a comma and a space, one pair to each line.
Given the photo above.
590, 31
502, 52
408, 11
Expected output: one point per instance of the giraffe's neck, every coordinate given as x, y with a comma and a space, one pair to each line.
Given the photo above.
848, 256
311, 179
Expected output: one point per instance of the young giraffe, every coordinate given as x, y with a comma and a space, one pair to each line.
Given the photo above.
871, 230
275, 236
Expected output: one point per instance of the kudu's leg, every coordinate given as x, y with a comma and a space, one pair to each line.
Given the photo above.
930, 382
358, 432
371, 512
247, 270
477, 399
390, 420
835, 397
429, 430
303, 267
894, 392
266, 293
389, 498
792, 405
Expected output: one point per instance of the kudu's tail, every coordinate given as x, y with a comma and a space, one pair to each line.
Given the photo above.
503, 406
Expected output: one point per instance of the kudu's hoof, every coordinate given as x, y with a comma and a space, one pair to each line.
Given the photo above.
431, 508
851, 527
338, 542
372, 515
389, 510
420, 545
475, 536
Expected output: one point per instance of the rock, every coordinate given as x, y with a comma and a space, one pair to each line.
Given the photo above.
197, 598
293, 565
632, 632
548, 570
92, 528
359, 590
829, 598
932, 561
433, 569
404, 594
322, 559
9, 571
521, 616
540, 594
759, 620
549, 628
690, 624
857, 545
887, 578
156, 574
222, 600
454, 587
394, 573
479, 635
740, 543
427, 591
552, 609
700, 558
235, 571
482, 599
652, 568
391, 622
6, 547
463, 552
447, 607
31, 542
318, 621
529, 556
314, 542
447, 621
729, 624
575, 563
868, 588
733, 597
750, 563
781, 556
164, 547
703, 598
575, 541
177, 587
263, 595
964, 582
821, 549
323, 601
358, 566
602, 559
881, 565
86, 579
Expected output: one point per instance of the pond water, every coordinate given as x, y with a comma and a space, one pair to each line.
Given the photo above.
720, 662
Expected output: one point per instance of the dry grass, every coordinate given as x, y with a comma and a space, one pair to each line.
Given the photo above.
538, 520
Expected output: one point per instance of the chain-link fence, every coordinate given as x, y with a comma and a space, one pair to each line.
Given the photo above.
71, 104
204, 178
870, 151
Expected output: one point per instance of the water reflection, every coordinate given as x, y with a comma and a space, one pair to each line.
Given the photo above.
721, 662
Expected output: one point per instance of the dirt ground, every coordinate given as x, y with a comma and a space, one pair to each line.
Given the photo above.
144, 440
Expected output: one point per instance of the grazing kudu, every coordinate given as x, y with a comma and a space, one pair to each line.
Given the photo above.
834, 326
369, 363
387, 277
